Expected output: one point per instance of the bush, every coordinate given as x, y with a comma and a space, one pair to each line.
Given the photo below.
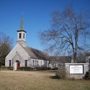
33, 69
42, 68
9, 68
87, 75
6, 68
24, 68
61, 73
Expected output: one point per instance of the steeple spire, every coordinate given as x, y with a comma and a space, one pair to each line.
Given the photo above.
22, 23
21, 33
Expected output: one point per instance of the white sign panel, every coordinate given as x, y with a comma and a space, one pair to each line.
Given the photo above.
76, 69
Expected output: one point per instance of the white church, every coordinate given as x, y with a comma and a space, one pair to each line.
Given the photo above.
23, 56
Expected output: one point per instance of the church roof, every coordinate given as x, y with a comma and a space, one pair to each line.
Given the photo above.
36, 54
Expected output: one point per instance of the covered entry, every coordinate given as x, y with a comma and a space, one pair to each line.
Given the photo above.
17, 64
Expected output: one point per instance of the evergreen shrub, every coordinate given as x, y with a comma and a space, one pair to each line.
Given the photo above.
87, 75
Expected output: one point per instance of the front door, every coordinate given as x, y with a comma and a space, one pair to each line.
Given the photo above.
18, 65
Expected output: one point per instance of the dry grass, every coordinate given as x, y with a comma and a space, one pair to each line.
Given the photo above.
38, 80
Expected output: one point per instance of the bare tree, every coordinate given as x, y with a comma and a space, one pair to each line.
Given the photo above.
69, 32
5, 46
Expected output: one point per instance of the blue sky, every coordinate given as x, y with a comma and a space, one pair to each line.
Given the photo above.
36, 16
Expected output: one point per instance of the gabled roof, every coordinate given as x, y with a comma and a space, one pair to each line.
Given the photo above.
36, 54
60, 59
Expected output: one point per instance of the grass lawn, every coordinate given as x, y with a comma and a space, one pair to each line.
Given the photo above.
38, 80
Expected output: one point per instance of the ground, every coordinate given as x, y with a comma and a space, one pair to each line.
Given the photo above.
38, 80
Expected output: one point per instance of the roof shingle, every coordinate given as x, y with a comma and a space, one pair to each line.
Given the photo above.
36, 54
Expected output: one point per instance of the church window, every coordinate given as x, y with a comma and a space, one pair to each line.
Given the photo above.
25, 63
19, 35
9, 63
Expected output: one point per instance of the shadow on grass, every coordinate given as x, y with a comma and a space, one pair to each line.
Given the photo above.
54, 77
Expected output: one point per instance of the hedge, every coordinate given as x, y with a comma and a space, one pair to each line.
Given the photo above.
33, 69
6, 68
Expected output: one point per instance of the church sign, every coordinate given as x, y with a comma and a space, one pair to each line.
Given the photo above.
76, 69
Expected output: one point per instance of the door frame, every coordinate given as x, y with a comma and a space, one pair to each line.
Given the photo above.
16, 64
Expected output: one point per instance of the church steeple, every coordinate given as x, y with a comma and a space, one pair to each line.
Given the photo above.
21, 34
22, 23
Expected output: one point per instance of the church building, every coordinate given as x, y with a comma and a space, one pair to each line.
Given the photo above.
23, 56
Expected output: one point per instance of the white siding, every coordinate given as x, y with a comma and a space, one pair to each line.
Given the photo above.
16, 50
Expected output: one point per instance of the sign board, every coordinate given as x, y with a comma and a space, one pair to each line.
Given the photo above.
76, 69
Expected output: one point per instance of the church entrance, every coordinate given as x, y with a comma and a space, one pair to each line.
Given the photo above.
17, 65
